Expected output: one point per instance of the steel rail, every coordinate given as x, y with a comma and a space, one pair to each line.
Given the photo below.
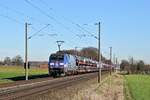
26, 90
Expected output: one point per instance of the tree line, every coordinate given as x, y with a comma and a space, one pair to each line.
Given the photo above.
16, 60
132, 66
88, 52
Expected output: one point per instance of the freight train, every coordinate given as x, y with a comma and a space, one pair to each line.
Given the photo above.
67, 64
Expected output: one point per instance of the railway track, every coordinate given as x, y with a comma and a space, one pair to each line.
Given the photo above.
26, 90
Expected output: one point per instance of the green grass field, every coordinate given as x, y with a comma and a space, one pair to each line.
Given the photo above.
7, 72
139, 86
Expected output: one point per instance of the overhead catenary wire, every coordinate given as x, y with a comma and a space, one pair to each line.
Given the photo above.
87, 31
12, 19
45, 4
19, 22
36, 33
51, 9
43, 33
49, 16
21, 13
10, 9
72, 22
22, 23
54, 19
78, 27
46, 14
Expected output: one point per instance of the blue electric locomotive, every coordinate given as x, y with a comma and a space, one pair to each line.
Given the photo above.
62, 64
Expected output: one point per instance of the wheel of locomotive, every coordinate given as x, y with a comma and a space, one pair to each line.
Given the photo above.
59, 73
54, 74
50, 74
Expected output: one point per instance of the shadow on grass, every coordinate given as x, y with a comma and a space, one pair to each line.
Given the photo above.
19, 78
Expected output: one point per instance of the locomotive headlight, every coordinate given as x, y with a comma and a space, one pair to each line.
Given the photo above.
51, 63
61, 64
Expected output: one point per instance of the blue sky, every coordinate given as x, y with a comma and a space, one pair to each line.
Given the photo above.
124, 26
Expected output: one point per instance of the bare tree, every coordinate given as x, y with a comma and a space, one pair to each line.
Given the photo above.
133, 65
90, 52
17, 60
7, 61
125, 66
140, 66
1, 63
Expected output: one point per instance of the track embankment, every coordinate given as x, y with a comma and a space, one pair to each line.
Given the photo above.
20, 91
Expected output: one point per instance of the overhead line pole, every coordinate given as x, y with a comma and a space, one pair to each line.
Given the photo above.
110, 60
114, 58
26, 50
76, 52
116, 64
99, 53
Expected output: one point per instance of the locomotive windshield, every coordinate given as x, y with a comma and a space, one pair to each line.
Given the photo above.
57, 57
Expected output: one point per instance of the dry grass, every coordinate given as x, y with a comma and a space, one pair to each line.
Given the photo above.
65, 94
110, 89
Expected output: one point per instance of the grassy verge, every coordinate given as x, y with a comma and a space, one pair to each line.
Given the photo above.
7, 73
127, 94
138, 86
110, 89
